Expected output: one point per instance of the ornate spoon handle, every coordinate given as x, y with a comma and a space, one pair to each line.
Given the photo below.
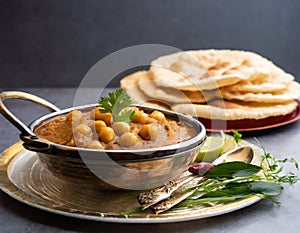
171, 201
147, 199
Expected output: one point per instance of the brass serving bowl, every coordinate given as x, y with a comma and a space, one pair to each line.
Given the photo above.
107, 169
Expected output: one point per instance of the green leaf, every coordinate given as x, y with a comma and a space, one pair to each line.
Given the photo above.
232, 191
266, 188
232, 169
105, 105
262, 187
222, 199
115, 104
125, 116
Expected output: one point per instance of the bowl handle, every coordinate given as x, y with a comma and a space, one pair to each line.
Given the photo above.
24, 96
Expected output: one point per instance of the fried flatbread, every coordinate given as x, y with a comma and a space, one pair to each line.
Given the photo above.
291, 92
236, 111
147, 85
207, 69
192, 81
276, 80
130, 85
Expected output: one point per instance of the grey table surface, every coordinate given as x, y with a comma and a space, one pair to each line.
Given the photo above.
262, 217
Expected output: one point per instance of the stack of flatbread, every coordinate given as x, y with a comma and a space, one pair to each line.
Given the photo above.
215, 85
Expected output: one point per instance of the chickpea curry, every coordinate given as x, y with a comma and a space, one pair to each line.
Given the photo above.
105, 128
96, 130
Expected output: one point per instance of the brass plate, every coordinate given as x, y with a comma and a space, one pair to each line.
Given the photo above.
23, 177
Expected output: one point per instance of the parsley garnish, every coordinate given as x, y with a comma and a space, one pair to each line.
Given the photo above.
115, 103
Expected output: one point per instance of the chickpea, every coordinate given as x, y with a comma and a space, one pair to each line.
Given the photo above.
151, 131
142, 118
145, 132
120, 127
155, 131
99, 125
83, 129
128, 139
95, 145
159, 116
74, 116
106, 134
106, 117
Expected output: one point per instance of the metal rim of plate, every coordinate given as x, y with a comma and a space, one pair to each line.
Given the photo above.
13, 157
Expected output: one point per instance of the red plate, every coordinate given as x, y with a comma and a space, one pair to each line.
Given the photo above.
251, 124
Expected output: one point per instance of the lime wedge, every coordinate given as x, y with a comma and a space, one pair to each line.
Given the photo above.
229, 144
211, 149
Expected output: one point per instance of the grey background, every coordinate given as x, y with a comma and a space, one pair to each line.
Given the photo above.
54, 43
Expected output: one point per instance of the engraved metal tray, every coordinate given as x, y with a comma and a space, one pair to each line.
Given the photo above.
23, 177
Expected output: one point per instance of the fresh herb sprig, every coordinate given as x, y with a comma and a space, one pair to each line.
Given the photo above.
116, 104
274, 168
237, 136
